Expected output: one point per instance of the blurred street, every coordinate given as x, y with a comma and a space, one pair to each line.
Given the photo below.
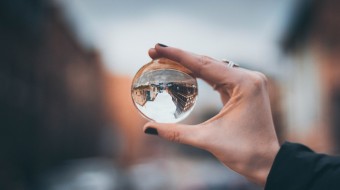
67, 118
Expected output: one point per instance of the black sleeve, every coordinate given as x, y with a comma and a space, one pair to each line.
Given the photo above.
298, 167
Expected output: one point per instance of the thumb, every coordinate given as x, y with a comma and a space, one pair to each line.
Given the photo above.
181, 133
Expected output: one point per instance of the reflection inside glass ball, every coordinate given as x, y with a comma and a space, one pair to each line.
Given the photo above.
164, 91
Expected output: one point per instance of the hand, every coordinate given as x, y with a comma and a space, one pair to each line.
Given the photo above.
242, 134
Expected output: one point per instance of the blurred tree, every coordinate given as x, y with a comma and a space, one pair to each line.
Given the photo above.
50, 94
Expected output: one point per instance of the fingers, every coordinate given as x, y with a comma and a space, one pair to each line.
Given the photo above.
181, 133
209, 69
153, 53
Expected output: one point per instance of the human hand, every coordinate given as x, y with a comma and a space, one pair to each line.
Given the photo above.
242, 134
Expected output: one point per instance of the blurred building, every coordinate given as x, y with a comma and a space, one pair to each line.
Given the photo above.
183, 95
51, 94
144, 93
313, 90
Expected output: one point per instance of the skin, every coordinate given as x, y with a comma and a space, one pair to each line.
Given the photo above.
242, 134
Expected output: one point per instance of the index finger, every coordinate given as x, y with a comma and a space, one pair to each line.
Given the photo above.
209, 69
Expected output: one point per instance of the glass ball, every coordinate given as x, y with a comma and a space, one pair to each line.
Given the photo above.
164, 91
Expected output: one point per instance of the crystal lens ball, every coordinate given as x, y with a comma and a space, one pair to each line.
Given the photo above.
164, 91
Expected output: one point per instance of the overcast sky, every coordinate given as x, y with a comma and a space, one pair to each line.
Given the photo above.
245, 31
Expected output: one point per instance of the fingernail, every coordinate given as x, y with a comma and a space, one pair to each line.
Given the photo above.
162, 45
151, 131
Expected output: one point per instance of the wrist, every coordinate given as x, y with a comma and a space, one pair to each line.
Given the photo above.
261, 163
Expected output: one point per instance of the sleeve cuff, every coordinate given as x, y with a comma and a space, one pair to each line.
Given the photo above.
289, 170
297, 167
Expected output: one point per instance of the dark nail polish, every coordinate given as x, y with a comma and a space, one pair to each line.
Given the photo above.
162, 45
151, 131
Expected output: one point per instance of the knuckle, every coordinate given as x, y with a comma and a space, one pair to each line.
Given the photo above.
264, 78
204, 61
174, 136
259, 80
256, 82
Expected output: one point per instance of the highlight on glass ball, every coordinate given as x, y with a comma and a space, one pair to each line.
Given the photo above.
164, 91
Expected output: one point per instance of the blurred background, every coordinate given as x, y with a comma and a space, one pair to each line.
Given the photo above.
66, 116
